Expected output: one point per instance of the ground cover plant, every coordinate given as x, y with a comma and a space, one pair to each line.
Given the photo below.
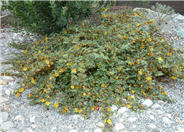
89, 67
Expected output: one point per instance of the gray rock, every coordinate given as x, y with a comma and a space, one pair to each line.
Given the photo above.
32, 119
147, 102
121, 120
100, 125
152, 117
3, 82
114, 108
53, 129
180, 32
155, 106
73, 130
122, 110
180, 129
33, 126
3, 117
19, 118
132, 119
160, 102
70, 126
14, 130
119, 126
98, 130
124, 131
28, 130
3, 100
7, 125
9, 79
166, 120
179, 18
152, 126
7, 92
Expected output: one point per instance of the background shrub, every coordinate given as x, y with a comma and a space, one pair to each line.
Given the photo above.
87, 67
45, 17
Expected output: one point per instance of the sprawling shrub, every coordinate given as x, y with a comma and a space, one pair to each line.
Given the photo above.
45, 17
89, 67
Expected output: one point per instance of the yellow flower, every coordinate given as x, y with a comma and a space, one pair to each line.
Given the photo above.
140, 71
79, 111
39, 52
37, 42
46, 38
50, 78
128, 106
102, 85
148, 78
119, 35
18, 94
25, 68
32, 80
139, 78
83, 63
21, 90
76, 110
163, 93
173, 77
25, 51
160, 59
149, 39
42, 100
15, 91
108, 109
72, 86
47, 61
84, 94
125, 37
131, 102
131, 97
56, 104
92, 108
47, 103
151, 49
131, 63
106, 9
105, 33
116, 78
133, 91
151, 21
138, 24
109, 121
61, 70
56, 74
104, 15
80, 69
74, 71
168, 54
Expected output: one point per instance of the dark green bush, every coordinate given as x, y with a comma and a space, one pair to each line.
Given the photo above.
45, 17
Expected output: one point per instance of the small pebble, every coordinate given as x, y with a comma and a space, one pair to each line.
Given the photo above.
100, 125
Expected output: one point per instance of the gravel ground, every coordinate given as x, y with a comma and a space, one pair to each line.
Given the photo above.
16, 115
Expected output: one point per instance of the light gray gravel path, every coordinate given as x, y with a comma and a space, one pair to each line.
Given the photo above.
16, 115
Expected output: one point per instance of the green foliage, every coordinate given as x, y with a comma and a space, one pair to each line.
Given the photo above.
87, 67
46, 17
